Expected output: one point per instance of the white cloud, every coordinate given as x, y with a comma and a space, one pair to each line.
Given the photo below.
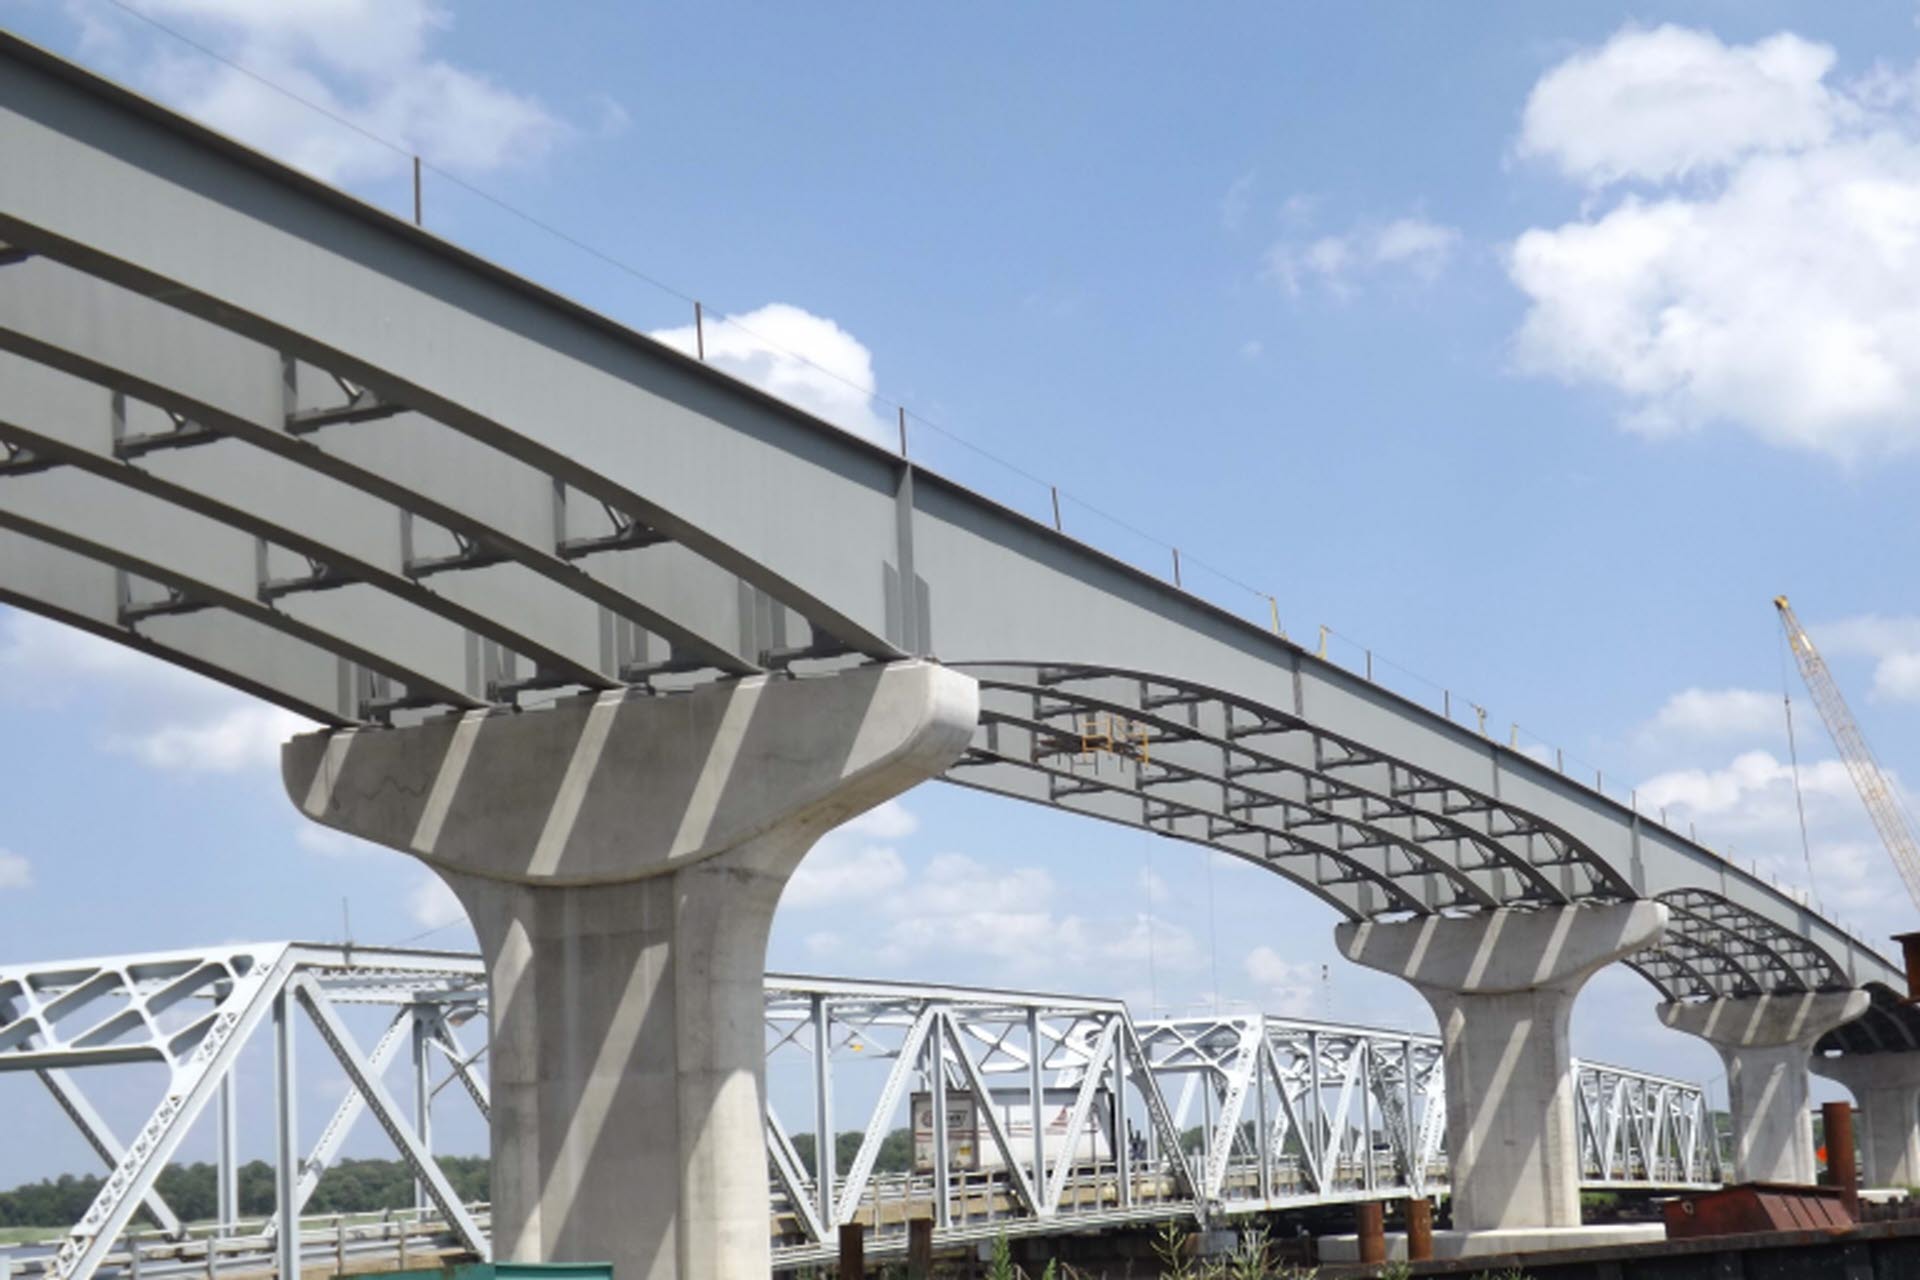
368, 62
1719, 713
1762, 270
842, 872
164, 716
432, 905
1753, 792
1288, 989
1234, 205
804, 359
15, 871
1893, 643
1005, 918
1611, 113
245, 737
1338, 262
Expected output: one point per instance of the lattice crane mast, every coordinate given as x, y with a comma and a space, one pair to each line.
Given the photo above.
1875, 792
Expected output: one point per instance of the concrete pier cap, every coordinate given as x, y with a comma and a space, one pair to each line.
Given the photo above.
1502, 984
1886, 1088
1766, 1043
621, 857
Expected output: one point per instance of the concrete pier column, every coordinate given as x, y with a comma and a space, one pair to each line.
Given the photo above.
1502, 985
621, 857
1766, 1042
1886, 1087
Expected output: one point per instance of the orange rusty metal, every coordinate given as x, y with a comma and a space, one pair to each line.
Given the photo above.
1755, 1207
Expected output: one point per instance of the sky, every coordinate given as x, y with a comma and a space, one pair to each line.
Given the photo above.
1532, 348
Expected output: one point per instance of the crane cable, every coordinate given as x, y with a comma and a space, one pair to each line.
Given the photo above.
1793, 757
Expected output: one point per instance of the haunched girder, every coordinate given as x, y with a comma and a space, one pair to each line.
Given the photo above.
499, 508
323, 535
1714, 948
1179, 759
279, 668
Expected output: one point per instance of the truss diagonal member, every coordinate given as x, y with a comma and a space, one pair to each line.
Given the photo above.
1237, 1075
462, 1065
344, 1117
367, 1082
194, 1082
1023, 1188
888, 1102
1078, 1114
786, 1171
100, 1137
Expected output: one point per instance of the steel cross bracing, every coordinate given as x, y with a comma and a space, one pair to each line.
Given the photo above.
193, 1012
491, 494
1286, 1113
1370, 834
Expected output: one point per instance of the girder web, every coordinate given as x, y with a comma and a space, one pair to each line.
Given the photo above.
1374, 835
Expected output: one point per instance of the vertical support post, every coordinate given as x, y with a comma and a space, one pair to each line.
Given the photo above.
1371, 1222
1274, 605
340, 1246
919, 1248
422, 1095
1843, 1169
1035, 1101
1057, 528
1418, 1213
853, 1251
1122, 1154
1176, 566
228, 1190
824, 1155
1263, 1116
903, 430
1367, 1172
699, 331
417, 220
286, 1169
937, 1096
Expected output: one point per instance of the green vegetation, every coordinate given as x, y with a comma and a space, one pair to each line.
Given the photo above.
350, 1186
895, 1155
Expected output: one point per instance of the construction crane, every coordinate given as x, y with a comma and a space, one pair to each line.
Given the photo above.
1882, 805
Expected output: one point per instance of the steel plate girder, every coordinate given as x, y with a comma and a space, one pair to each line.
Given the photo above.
226, 384
624, 419
1267, 786
238, 651
104, 182
206, 564
346, 536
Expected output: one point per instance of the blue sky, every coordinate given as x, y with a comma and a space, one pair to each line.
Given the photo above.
1533, 347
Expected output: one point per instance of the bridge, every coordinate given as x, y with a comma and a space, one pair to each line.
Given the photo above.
608, 639
1201, 1119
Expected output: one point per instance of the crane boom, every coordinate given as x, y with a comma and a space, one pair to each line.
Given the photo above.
1875, 792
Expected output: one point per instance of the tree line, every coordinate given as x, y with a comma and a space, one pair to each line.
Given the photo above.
191, 1191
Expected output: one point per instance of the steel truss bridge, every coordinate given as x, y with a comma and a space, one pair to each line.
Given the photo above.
1288, 1113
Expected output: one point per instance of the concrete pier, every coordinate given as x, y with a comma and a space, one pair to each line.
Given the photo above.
1766, 1042
1502, 985
1886, 1088
621, 857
